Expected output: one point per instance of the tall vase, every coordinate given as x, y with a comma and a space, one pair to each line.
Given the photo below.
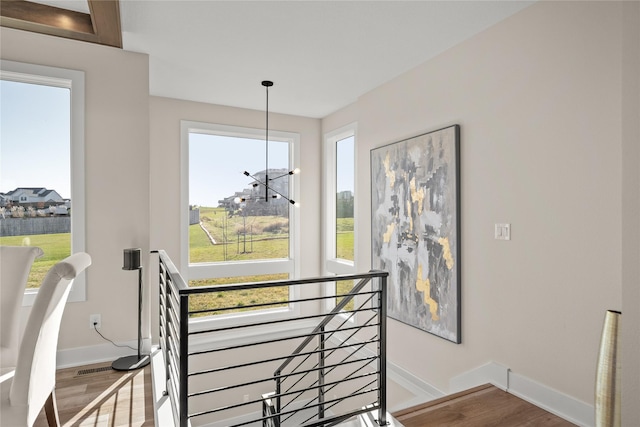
608, 373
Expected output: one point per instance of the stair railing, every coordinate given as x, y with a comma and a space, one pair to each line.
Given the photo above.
345, 359
320, 333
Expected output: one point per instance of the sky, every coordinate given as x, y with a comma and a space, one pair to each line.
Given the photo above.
34, 137
217, 163
35, 143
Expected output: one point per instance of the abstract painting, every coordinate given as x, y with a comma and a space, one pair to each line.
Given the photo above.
415, 224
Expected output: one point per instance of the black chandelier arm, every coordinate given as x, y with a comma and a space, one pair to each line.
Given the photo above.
266, 186
293, 202
283, 175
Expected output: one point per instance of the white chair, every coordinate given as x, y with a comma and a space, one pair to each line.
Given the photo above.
15, 265
31, 387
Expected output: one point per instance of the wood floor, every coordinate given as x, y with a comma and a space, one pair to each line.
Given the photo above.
485, 405
97, 396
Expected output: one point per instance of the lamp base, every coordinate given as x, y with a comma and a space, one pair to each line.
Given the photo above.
130, 363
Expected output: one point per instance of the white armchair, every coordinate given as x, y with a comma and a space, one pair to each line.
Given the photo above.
15, 265
32, 385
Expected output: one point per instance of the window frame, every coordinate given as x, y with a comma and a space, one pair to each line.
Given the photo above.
74, 81
290, 265
331, 263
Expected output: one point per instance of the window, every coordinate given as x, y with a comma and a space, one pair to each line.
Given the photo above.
232, 232
339, 201
42, 165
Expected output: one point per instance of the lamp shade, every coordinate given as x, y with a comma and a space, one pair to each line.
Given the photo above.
131, 259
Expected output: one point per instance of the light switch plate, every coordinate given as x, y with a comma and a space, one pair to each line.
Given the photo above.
503, 232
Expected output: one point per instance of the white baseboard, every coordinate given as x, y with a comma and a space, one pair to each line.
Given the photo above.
491, 372
560, 404
79, 356
421, 390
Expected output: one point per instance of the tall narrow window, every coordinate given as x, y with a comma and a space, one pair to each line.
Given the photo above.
340, 204
42, 131
345, 184
236, 232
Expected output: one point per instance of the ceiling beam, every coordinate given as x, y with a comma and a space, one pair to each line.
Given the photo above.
101, 26
105, 16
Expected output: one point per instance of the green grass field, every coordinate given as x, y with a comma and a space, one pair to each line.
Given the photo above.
55, 246
266, 238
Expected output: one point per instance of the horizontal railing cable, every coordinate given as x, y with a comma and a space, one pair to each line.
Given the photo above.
263, 342
230, 387
326, 390
324, 323
333, 383
315, 386
328, 405
276, 303
306, 371
336, 400
272, 322
332, 350
276, 359
315, 368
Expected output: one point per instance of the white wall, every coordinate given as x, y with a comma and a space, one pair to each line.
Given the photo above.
539, 101
631, 212
117, 175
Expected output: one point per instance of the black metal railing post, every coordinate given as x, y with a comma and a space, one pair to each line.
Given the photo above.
382, 352
184, 359
278, 392
321, 363
165, 339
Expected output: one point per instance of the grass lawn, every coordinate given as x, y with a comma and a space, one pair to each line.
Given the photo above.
266, 238
56, 247
239, 238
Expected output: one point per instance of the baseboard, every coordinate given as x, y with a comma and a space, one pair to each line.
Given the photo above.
560, 404
421, 390
491, 372
79, 356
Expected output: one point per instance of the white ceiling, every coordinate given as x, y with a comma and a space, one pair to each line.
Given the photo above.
321, 55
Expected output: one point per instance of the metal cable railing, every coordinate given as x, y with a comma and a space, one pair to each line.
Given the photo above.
318, 369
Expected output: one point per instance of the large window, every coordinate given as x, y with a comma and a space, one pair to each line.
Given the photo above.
42, 165
234, 231
340, 196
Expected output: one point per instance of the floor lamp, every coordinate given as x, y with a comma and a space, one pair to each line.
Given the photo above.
129, 363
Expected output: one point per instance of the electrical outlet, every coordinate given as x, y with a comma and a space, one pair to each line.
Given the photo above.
95, 320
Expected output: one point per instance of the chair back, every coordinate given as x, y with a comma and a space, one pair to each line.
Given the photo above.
15, 265
35, 373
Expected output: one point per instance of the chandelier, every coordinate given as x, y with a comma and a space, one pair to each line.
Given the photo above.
269, 191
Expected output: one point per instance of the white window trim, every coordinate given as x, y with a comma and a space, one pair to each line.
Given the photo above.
290, 266
332, 264
74, 81
330, 140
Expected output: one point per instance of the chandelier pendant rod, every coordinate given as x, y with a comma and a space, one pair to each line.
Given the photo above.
266, 84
